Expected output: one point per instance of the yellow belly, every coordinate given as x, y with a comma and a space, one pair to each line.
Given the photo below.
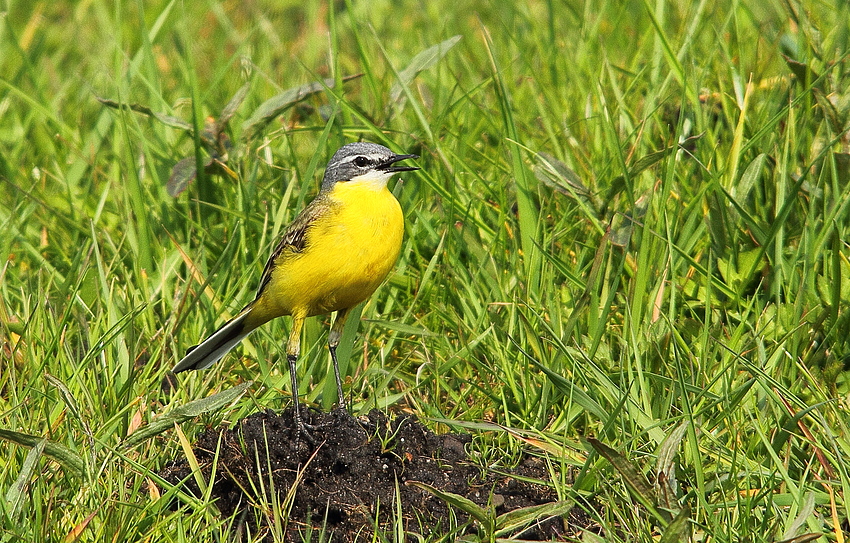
348, 253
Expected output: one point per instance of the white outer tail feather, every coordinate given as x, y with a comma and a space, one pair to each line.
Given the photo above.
213, 349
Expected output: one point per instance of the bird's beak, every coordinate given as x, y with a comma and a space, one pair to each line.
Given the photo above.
388, 165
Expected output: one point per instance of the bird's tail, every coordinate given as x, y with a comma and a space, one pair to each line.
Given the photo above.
212, 349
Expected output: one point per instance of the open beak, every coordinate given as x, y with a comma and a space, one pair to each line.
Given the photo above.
388, 165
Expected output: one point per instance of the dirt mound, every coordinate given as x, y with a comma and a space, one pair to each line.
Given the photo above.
355, 476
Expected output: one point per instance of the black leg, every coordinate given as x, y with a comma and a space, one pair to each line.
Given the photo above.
299, 424
293, 347
340, 395
333, 340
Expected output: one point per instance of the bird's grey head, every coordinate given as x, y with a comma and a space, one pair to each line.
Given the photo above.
368, 161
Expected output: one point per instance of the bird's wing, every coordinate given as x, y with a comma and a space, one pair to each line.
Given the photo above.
294, 239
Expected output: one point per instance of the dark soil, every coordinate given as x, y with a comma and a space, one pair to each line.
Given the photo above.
353, 473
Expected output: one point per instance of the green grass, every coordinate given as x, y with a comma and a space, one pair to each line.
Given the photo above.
686, 306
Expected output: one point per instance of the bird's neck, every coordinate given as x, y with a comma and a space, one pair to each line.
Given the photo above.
376, 181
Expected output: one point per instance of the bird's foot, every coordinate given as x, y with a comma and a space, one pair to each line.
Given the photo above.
302, 429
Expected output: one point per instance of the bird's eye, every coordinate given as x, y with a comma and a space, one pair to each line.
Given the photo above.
361, 162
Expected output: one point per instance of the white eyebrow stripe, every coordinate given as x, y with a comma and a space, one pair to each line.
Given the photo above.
374, 157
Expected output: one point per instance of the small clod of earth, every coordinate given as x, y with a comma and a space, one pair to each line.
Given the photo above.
362, 474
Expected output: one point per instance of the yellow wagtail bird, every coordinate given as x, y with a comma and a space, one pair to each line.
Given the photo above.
332, 257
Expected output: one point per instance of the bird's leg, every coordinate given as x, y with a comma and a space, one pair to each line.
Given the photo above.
333, 340
299, 424
293, 348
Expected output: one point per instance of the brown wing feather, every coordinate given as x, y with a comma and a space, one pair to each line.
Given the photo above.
294, 238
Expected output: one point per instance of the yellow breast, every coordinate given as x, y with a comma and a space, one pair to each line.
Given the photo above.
348, 253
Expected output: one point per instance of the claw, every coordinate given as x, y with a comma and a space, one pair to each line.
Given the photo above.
302, 427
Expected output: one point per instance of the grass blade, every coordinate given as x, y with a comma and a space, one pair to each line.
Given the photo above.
481, 514
529, 217
679, 528
419, 63
635, 481
68, 459
666, 485
517, 520
15, 494
279, 103
185, 412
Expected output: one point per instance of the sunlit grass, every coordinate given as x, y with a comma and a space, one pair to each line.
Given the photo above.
628, 217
